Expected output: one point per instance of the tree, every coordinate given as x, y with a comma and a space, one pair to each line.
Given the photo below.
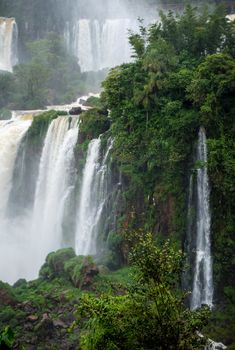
151, 314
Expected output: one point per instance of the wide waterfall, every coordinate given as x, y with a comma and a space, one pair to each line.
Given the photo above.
202, 283
60, 210
27, 238
8, 43
100, 44
11, 133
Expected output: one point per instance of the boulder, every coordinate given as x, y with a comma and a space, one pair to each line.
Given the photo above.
75, 110
81, 271
54, 265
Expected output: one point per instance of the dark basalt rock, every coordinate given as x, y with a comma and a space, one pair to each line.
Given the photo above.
75, 111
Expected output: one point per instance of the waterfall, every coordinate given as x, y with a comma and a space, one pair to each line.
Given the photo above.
100, 44
55, 184
84, 45
26, 239
202, 284
11, 133
93, 197
115, 36
59, 211
8, 43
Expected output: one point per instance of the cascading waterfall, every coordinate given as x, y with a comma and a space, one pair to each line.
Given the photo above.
46, 223
28, 238
8, 43
11, 133
93, 197
202, 284
55, 183
91, 40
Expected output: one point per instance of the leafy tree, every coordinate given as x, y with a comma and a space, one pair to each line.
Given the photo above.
151, 314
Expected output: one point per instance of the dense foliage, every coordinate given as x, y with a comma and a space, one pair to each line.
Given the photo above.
150, 315
182, 77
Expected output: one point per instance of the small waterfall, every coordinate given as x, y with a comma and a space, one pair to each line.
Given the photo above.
8, 43
93, 197
100, 44
202, 284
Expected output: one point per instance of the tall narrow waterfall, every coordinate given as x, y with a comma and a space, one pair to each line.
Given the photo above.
93, 196
8, 43
202, 284
55, 182
98, 44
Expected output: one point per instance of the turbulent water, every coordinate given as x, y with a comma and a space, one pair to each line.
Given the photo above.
11, 134
100, 44
26, 239
8, 43
44, 206
202, 283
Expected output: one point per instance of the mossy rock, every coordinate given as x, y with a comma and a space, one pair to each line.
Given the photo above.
54, 265
81, 270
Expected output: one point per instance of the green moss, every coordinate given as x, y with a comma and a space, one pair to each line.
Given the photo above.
40, 125
74, 268
94, 122
54, 265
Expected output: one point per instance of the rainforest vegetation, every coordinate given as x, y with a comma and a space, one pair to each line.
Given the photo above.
182, 77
